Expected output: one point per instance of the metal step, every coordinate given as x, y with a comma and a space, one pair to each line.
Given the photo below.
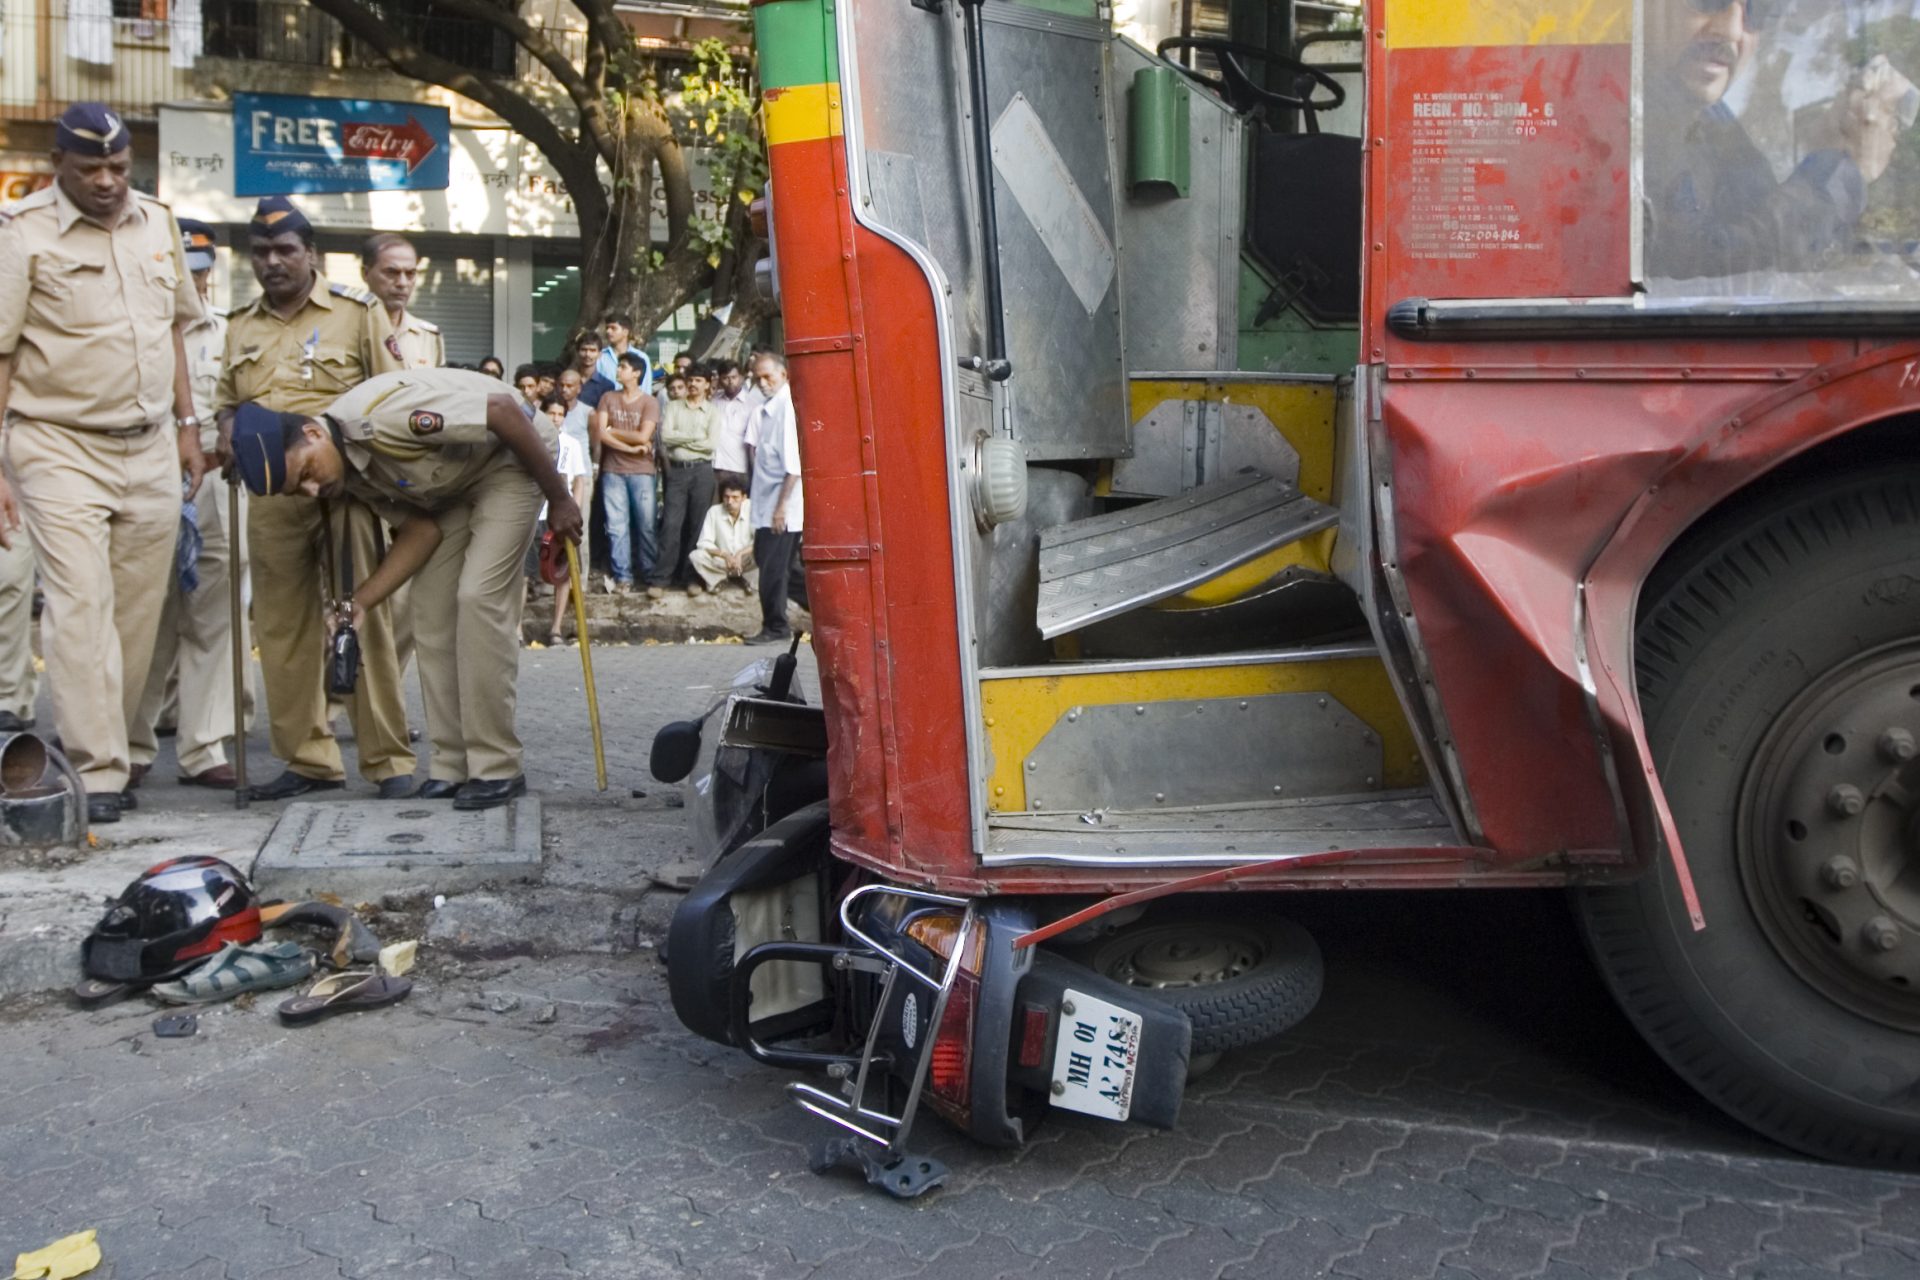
1098, 568
1220, 835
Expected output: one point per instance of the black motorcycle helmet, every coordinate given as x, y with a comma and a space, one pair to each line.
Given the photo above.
169, 919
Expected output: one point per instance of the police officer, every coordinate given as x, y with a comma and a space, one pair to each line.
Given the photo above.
299, 346
391, 268
99, 429
447, 457
196, 626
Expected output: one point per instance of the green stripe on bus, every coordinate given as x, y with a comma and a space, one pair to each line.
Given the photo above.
796, 43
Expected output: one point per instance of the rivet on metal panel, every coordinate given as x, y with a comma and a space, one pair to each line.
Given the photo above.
1579, 373
1276, 788
1472, 374
1072, 716
1036, 804
999, 791
1159, 797
1377, 246
1779, 373
1032, 765
1243, 706
1139, 711
989, 722
1323, 702
1686, 373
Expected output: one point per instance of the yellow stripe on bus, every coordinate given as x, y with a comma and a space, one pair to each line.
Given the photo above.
1463, 24
803, 113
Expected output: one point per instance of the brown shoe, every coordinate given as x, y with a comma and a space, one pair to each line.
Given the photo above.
137, 774
221, 778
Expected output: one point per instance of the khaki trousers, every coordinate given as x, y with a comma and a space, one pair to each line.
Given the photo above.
467, 604
196, 645
19, 685
283, 541
103, 512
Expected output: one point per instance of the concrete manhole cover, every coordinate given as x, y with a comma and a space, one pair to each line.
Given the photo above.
361, 849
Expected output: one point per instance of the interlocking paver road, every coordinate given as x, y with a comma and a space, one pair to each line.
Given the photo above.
1464, 1103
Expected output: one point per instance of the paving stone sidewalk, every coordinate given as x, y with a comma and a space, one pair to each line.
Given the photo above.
1464, 1103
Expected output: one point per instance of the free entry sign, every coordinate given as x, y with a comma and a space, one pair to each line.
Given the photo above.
285, 145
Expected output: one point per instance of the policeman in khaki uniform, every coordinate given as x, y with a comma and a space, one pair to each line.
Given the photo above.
296, 349
447, 457
194, 649
391, 268
99, 429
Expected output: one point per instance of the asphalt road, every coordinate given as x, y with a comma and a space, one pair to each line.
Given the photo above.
1465, 1102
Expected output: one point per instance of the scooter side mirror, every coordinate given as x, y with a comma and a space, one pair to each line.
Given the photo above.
675, 750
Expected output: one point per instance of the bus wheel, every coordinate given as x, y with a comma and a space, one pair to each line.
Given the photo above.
1778, 660
1238, 980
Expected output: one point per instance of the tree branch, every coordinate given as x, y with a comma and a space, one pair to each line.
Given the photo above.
574, 165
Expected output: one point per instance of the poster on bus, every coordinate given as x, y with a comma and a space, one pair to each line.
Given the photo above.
1779, 155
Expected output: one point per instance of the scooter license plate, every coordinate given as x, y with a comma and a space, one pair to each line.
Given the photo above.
1095, 1057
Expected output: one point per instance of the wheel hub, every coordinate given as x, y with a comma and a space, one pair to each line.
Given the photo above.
1829, 840
1187, 957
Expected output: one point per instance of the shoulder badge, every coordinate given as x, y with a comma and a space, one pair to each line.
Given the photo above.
428, 325
393, 347
425, 422
352, 294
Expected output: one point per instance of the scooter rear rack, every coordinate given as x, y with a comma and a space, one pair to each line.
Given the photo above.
878, 1141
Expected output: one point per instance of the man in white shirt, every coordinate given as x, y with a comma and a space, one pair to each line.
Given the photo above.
779, 509
736, 416
725, 548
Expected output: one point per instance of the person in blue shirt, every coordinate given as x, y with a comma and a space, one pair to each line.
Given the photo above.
618, 328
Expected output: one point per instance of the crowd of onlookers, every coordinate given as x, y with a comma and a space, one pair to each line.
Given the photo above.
695, 467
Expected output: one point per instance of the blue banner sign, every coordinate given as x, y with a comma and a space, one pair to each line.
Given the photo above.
284, 145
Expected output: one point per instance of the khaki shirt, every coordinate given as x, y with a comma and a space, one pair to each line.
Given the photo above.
87, 311
417, 343
206, 343
419, 438
333, 343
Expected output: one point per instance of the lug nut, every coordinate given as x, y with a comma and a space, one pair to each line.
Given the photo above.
1840, 872
1845, 801
1897, 746
1881, 933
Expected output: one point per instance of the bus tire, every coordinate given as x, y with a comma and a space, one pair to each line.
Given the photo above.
1778, 663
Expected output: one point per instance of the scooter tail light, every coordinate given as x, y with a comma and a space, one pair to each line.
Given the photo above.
950, 1062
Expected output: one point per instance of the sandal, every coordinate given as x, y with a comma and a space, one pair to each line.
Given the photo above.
237, 969
344, 993
91, 993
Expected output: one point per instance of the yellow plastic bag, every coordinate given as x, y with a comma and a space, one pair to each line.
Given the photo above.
70, 1256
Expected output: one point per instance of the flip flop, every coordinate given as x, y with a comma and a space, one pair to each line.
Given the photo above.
344, 993
236, 969
91, 993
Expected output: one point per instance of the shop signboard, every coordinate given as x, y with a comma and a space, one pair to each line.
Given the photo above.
284, 145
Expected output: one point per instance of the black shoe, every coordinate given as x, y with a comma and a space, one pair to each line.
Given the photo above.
291, 784
476, 794
103, 806
769, 636
129, 801
396, 788
11, 723
437, 789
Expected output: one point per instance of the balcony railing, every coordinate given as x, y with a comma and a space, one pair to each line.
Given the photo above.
133, 55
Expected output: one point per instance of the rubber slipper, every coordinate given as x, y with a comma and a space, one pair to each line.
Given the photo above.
344, 993
91, 993
235, 970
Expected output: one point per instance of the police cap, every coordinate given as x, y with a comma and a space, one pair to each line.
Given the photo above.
89, 129
276, 215
261, 438
196, 238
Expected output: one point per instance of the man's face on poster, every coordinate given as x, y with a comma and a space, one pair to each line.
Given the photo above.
1696, 47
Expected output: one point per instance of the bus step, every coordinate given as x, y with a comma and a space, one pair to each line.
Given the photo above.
1099, 568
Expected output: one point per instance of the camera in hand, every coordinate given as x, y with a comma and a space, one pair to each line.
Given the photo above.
343, 660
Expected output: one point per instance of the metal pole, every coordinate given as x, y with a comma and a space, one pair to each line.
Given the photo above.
586, 664
997, 366
238, 636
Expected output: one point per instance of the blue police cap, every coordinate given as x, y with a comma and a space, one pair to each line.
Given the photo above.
260, 440
275, 215
196, 238
89, 129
